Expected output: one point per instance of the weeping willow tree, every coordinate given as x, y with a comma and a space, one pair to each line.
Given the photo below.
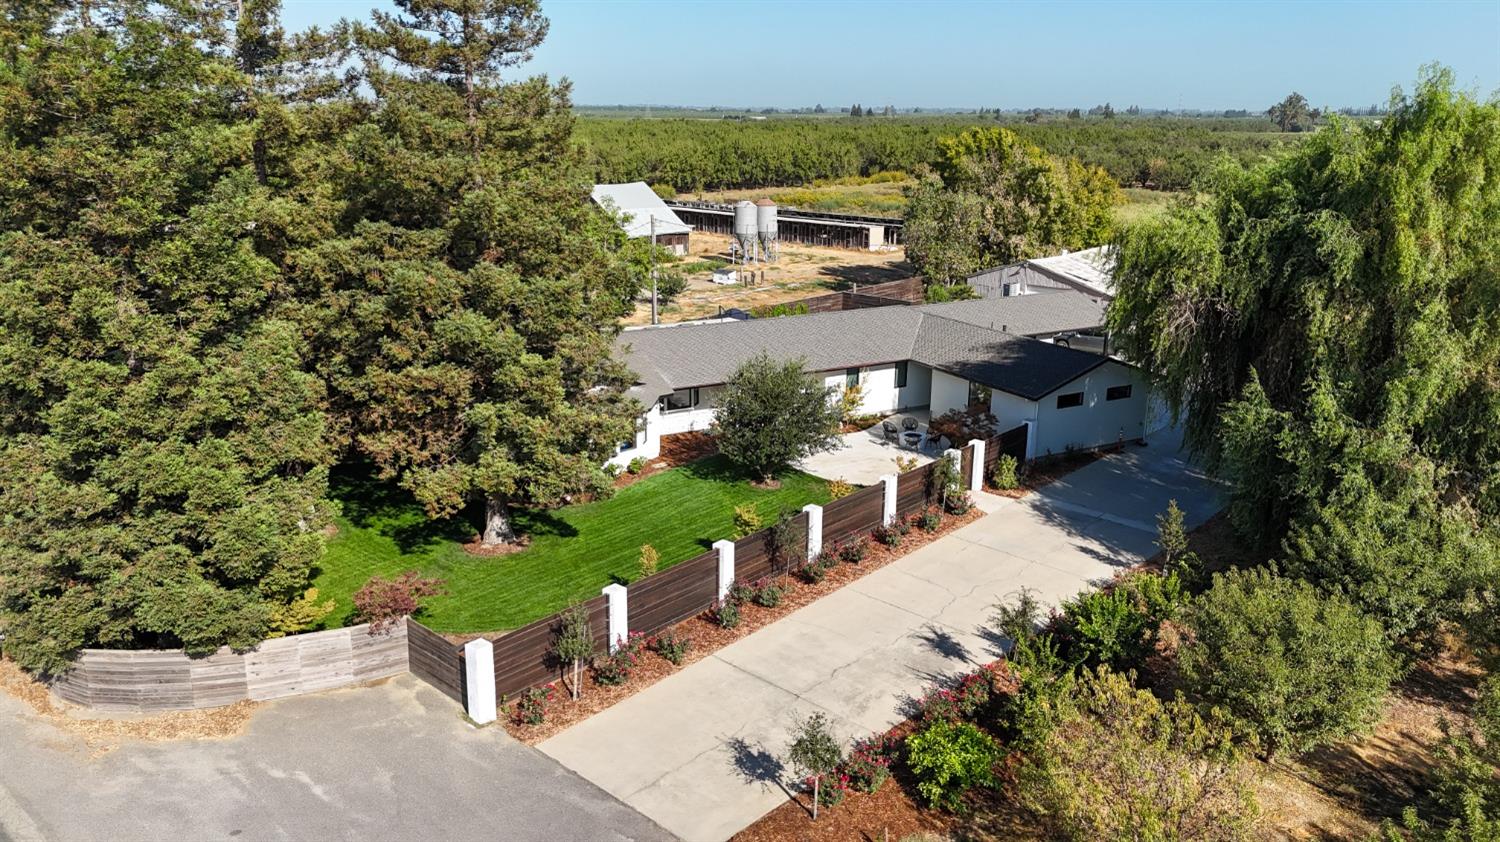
1327, 325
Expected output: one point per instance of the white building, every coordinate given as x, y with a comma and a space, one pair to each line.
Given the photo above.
1089, 271
990, 353
643, 210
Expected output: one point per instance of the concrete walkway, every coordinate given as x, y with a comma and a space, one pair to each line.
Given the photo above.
698, 752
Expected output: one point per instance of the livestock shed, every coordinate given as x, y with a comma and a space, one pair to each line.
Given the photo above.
835, 230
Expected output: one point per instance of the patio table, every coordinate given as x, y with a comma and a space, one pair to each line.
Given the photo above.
912, 438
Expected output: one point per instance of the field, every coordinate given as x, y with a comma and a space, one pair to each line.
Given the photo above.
802, 271
574, 551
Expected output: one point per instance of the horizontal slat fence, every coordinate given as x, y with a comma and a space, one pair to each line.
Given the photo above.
146, 681
852, 516
911, 490
675, 594
435, 660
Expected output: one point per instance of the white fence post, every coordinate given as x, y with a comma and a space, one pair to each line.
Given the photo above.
725, 548
479, 680
1030, 439
618, 614
976, 476
888, 515
814, 530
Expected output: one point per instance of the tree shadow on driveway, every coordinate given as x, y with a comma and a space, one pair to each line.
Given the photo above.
757, 765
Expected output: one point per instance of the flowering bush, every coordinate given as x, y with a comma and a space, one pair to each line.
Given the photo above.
964, 700
741, 592
868, 765
929, 520
960, 504
766, 593
890, 536
614, 669
727, 613
532, 707
834, 790
670, 646
814, 571
853, 551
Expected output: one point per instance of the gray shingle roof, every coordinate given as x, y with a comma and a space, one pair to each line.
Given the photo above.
1041, 314
949, 337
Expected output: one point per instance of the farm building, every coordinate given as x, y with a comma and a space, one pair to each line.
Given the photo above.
834, 230
640, 205
1089, 271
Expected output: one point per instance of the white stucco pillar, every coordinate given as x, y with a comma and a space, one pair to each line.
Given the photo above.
618, 614
479, 680
814, 530
976, 475
725, 549
888, 514
1030, 439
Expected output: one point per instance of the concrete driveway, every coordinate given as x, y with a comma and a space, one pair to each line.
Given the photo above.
698, 752
390, 762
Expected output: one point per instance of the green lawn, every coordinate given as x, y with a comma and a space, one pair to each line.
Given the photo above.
574, 551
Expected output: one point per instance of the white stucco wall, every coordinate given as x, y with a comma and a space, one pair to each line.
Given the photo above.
948, 393
918, 391
1098, 421
1010, 410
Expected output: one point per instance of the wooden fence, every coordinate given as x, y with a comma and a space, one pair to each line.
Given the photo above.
523, 657
145, 681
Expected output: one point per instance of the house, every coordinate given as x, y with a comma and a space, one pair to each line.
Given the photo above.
1089, 271
640, 206
991, 353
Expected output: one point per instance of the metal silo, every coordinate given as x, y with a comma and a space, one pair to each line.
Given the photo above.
745, 232
765, 227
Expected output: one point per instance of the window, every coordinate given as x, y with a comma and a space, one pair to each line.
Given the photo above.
901, 375
851, 378
680, 400
979, 395
1117, 393
1071, 399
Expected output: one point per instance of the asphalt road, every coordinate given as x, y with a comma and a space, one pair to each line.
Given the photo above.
390, 762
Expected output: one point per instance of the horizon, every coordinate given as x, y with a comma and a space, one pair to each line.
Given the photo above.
1160, 56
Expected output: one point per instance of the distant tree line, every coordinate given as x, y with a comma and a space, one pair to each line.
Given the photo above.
692, 155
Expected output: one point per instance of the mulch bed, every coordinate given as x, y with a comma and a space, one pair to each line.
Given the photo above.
1048, 469
708, 637
676, 450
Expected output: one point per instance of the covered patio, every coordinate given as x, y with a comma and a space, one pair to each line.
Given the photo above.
864, 456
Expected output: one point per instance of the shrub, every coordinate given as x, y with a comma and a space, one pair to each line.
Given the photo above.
1118, 625
299, 614
929, 520
741, 592
1465, 803
853, 551
816, 570
887, 535
533, 706
727, 614
766, 593
960, 504
1004, 475
868, 765
1171, 537
747, 521
636, 465
382, 601
949, 759
671, 647
965, 699
1298, 668
649, 560
849, 402
838, 489
615, 668
905, 464
815, 752
1123, 765
613, 470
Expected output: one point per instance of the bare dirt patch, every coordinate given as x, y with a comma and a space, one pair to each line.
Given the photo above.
104, 732
802, 271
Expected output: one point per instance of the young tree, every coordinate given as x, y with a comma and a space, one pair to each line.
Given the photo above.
1299, 669
772, 414
1124, 765
1172, 540
815, 752
1000, 199
575, 645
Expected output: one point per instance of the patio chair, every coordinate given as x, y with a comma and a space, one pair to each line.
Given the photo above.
935, 440
908, 424
891, 433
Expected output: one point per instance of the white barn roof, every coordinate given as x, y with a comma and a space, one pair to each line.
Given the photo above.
1091, 269
639, 203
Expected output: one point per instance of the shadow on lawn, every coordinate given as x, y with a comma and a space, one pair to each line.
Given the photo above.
372, 503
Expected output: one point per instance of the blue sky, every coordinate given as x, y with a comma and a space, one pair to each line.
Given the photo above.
791, 53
